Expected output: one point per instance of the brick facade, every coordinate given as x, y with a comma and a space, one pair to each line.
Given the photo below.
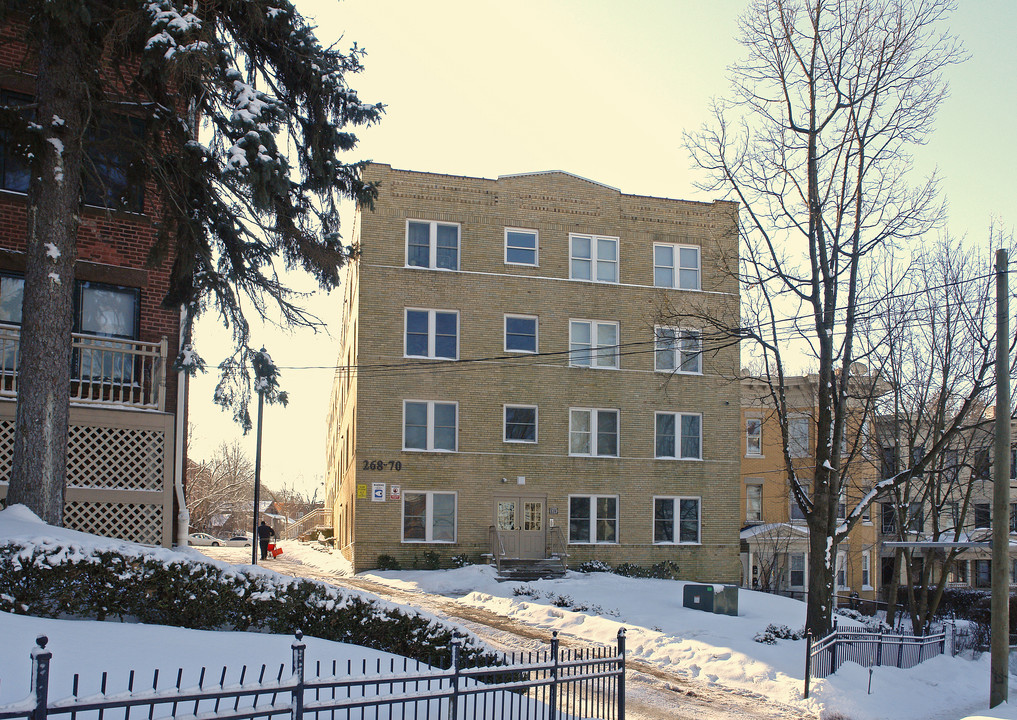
376, 378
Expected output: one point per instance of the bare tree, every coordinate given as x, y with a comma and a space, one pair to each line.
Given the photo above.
814, 145
936, 354
220, 490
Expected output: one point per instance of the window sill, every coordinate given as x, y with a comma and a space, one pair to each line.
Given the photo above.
678, 372
593, 367
595, 457
698, 543
428, 542
670, 287
866, 588
431, 452
593, 543
521, 352
520, 442
438, 269
678, 459
755, 456
595, 282
519, 264
430, 357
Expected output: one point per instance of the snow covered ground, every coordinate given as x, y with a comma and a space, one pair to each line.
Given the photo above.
715, 648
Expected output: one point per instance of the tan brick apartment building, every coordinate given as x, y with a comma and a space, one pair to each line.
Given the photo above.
124, 445
502, 387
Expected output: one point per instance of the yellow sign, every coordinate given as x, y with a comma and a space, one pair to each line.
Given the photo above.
361, 491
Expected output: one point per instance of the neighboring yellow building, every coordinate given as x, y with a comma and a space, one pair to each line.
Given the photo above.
774, 536
504, 388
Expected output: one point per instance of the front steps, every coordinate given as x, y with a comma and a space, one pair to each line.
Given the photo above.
527, 570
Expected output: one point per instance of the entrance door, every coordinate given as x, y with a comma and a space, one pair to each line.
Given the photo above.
521, 526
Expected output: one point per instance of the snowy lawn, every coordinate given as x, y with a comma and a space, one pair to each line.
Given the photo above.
716, 648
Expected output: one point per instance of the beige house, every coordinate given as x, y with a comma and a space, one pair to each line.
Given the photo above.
504, 388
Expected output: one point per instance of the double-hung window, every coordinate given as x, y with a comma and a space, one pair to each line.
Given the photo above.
796, 570
754, 436
106, 311
593, 343
679, 436
14, 171
676, 266
795, 511
678, 350
429, 517
675, 520
754, 502
429, 425
521, 333
520, 424
593, 258
520, 247
432, 333
866, 570
12, 292
841, 566
593, 432
983, 515
798, 437
432, 245
593, 519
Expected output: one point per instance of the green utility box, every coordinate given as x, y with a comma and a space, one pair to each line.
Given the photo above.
719, 599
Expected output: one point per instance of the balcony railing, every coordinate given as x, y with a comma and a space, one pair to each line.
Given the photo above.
106, 371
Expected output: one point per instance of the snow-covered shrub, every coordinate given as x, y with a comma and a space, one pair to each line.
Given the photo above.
459, 561
562, 601
387, 562
773, 633
431, 561
591, 566
56, 580
526, 591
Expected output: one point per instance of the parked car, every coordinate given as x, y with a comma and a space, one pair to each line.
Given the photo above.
203, 539
238, 541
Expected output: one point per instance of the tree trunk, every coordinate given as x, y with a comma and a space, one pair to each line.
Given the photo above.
819, 611
891, 595
39, 465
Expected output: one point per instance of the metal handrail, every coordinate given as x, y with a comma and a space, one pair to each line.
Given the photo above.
559, 535
497, 546
317, 518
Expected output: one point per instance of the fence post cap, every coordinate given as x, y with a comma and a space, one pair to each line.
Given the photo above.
299, 634
554, 634
41, 641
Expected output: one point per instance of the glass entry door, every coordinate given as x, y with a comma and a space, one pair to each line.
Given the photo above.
521, 526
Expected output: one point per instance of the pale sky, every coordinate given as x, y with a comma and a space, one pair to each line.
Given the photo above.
600, 88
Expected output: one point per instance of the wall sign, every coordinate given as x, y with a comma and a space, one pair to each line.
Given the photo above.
361, 491
395, 492
377, 492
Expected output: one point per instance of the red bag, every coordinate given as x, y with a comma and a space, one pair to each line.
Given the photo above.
277, 552
271, 547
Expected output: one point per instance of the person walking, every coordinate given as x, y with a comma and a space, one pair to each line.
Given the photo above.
264, 533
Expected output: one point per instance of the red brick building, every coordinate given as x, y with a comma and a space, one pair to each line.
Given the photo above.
125, 445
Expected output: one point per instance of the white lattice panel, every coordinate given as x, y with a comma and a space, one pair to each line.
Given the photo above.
6, 446
137, 523
111, 458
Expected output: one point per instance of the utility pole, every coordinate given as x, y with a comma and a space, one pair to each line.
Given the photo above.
255, 543
1000, 628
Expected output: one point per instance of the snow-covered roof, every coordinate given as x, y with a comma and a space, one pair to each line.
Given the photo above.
773, 529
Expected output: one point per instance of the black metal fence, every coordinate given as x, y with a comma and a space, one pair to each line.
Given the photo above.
868, 649
552, 684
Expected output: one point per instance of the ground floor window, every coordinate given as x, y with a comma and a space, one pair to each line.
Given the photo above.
429, 517
959, 572
593, 519
796, 570
675, 520
983, 573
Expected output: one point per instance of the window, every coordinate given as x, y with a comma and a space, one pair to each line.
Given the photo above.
866, 570
798, 437
916, 517
983, 573
520, 247
949, 516
12, 291
889, 460
1013, 517
982, 467
679, 436
593, 519
429, 425
889, 518
109, 312
841, 574
754, 436
959, 572
14, 172
593, 343
107, 179
594, 258
676, 266
796, 570
796, 512
593, 432
754, 503
521, 423
432, 245
678, 350
675, 520
951, 465
842, 501
983, 515
1013, 463
520, 333
429, 517
432, 334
